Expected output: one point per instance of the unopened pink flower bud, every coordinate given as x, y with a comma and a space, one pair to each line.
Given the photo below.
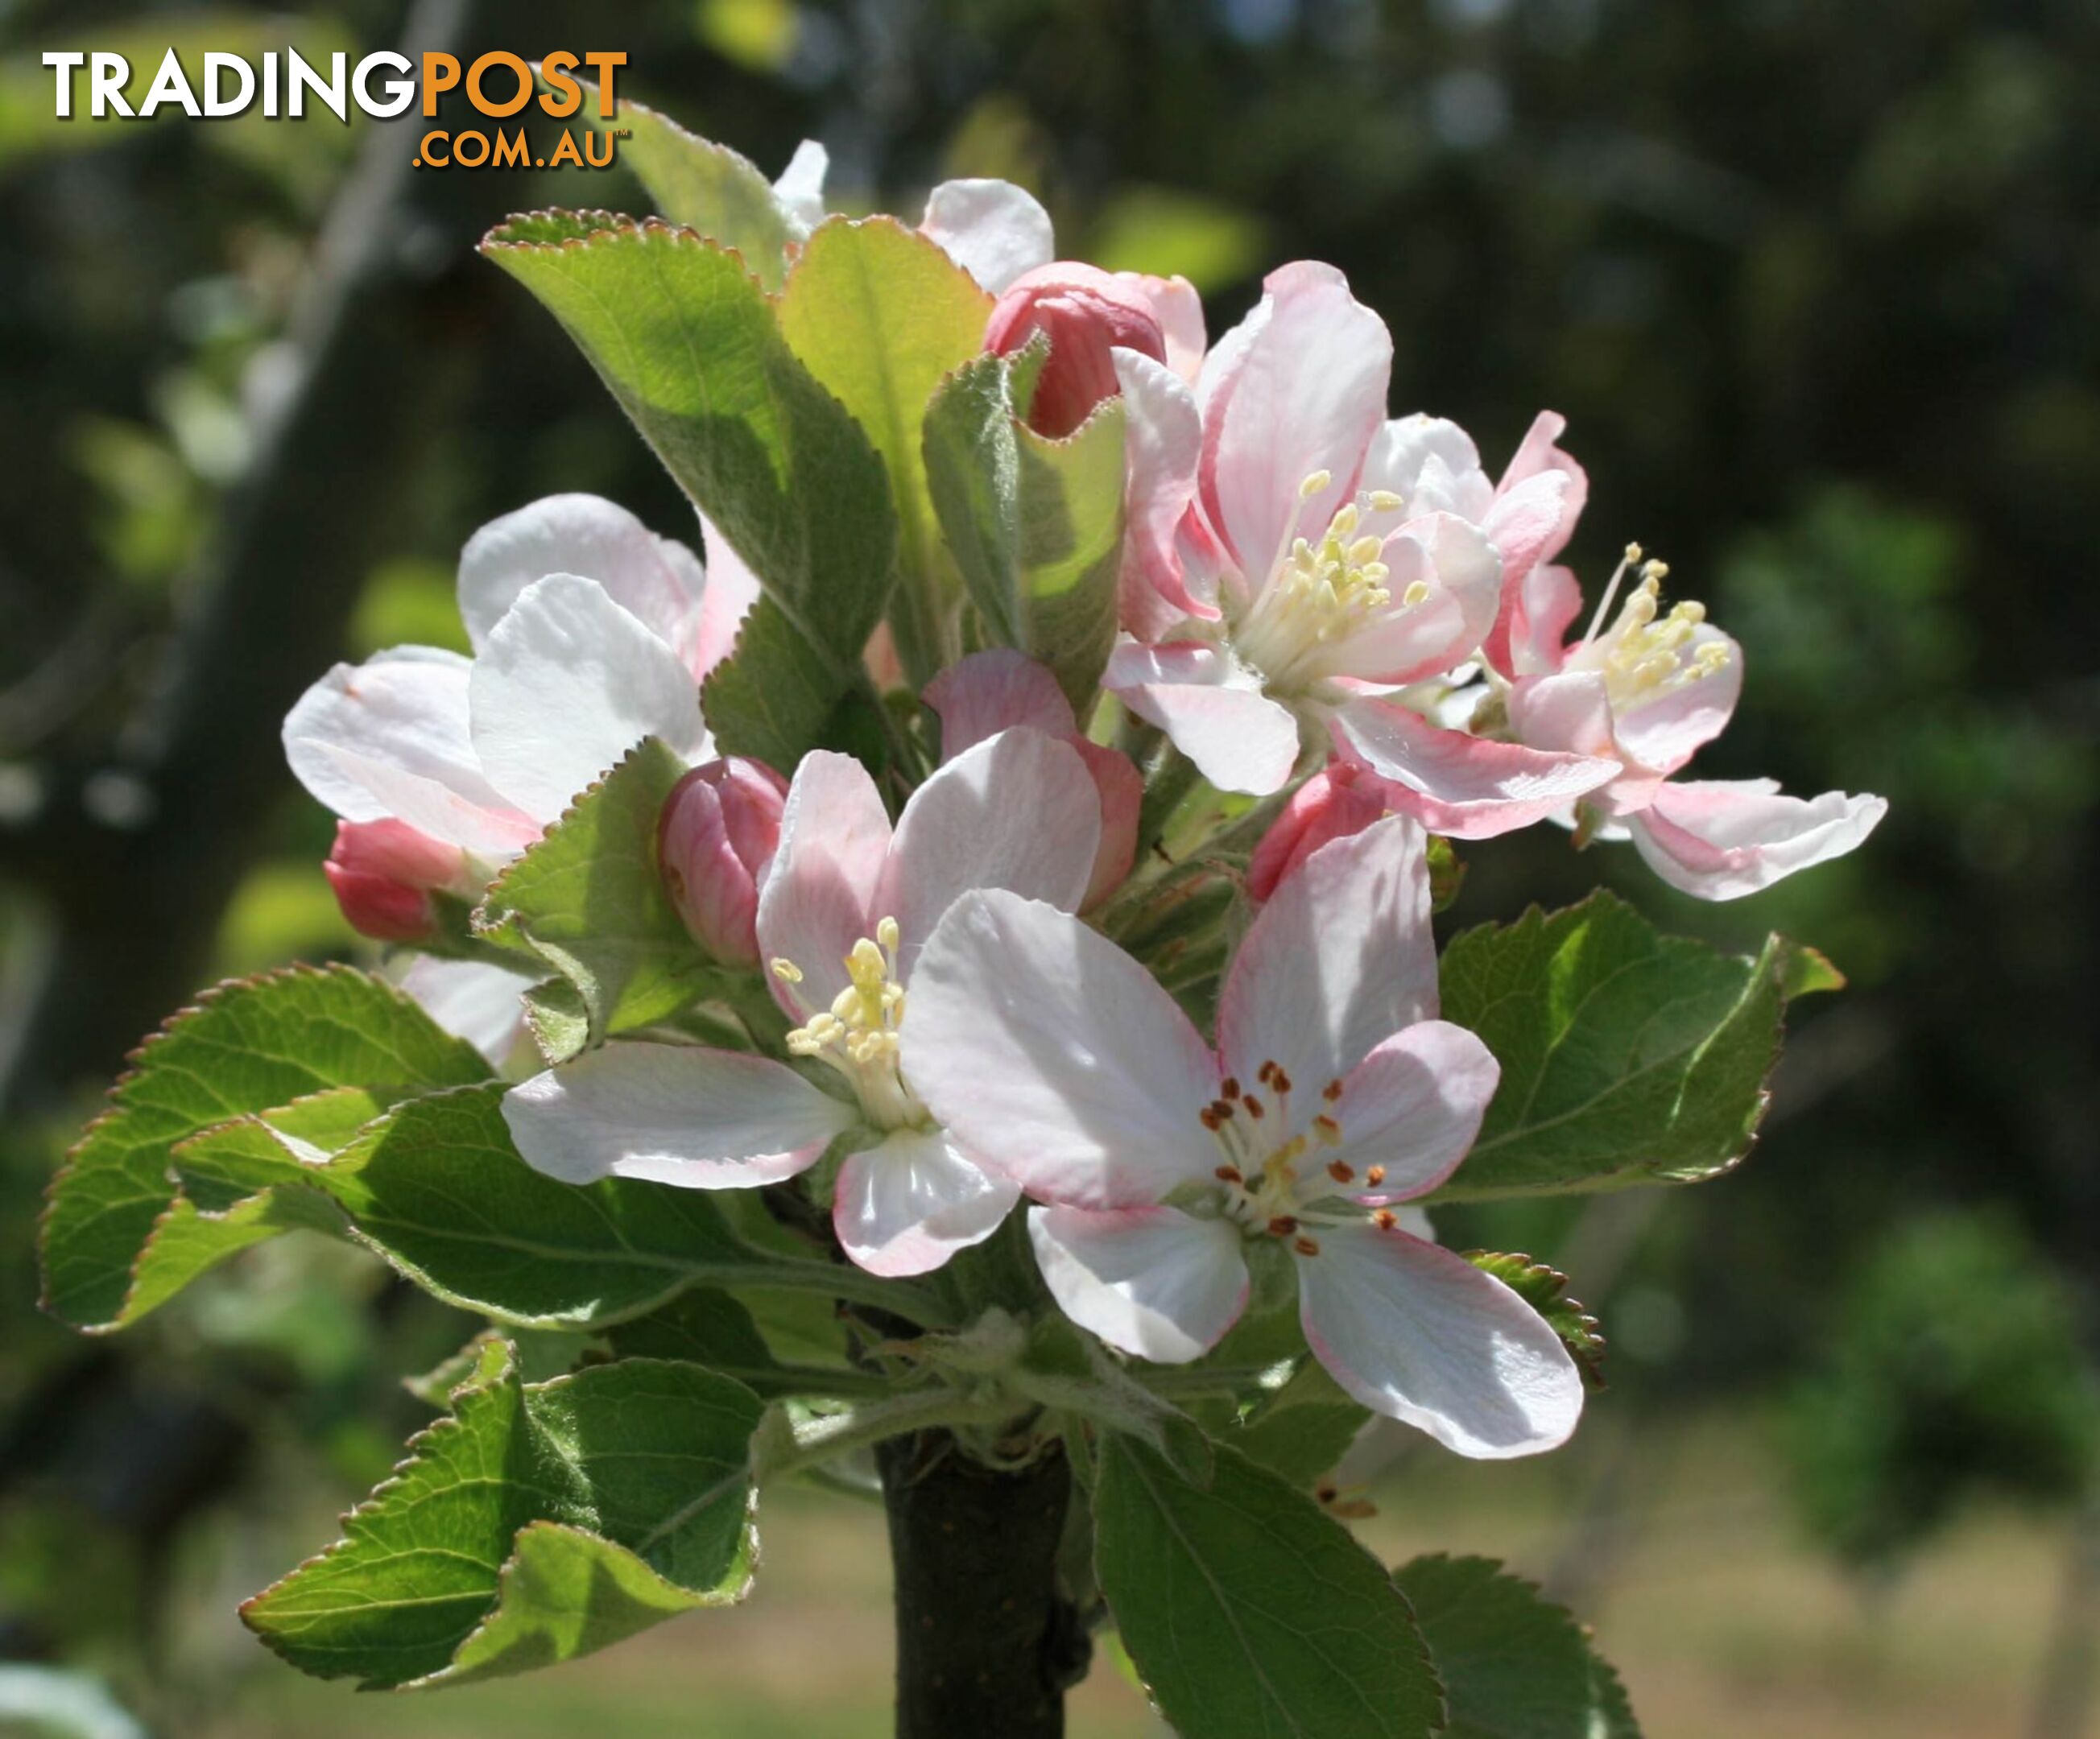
1330, 805
386, 874
1085, 313
717, 833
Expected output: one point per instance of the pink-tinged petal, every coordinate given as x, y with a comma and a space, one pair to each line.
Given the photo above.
1307, 396
1662, 734
906, 1205
1152, 1281
1334, 803
568, 682
1056, 1058
1087, 314
1121, 788
1466, 786
1412, 1107
1179, 311
1461, 575
1548, 602
994, 690
1018, 811
1340, 959
715, 835
1571, 712
1422, 1335
584, 535
815, 903
1541, 497
1720, 840
675, 1113
473, 1000
800, 191
1162, 439
994, 230
1213, 708
730, 591
405, 709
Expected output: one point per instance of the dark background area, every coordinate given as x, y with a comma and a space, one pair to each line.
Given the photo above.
1818, 287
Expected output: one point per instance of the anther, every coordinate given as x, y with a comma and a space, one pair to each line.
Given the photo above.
1328, 1130
1230, 1087
1229, 1174
1331, 1092
1279, 1080
1283, 1225
1253, 1106
1306, 1247
1341, 1171
1375, 1176
1210, 1119
1386, 501
887, 934
1385, 1220
787, 972
1314, 483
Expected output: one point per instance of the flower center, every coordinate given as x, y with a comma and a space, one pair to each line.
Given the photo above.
1273, 1181
1643, 656
858, 1035
1319, 594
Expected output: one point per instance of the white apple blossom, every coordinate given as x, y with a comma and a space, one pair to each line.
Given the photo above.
842, 915
1334, 1095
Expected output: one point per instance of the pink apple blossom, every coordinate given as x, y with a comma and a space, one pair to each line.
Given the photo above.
1085, 314
1648, 688
1165, 1166
1284, 589
842, 915
716, 835
1334, 803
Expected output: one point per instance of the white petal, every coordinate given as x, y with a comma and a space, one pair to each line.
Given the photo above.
1054, 1057
1422, 1335
567, 684
1431, 464
1018, 811
406, 710
473, 1000
436, 809
1154, 1281
585, 534
813, 906
1414, 1107
994, 230
677, 1113
907, 1205
1722, 839
1163, 439
1213, 708
800, 191
1339, 960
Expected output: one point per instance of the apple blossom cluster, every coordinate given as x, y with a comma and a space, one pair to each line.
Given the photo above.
1337, 635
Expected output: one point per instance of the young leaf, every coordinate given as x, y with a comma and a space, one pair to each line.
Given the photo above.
708, 188
1514, 1666
1250, 1613
686, 341
249, 1045
707, 1327
534, 1524
880, 315
588, 901
1628, 1056
1545, 1290
1035, 525
1303, 1429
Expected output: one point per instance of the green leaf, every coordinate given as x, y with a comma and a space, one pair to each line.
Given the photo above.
588, 900
1628, 1056
880, 315
437, 1188
536, 1523
708, 188
704, 1327
1514, 1666
772, 699
685, 337
1303, 1429
117, 1239
1035, 525
1251, 1613
1545, 1290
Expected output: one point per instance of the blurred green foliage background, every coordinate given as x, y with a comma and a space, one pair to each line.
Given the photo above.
1818, 287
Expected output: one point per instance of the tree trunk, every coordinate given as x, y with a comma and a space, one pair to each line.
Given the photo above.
986, 1645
